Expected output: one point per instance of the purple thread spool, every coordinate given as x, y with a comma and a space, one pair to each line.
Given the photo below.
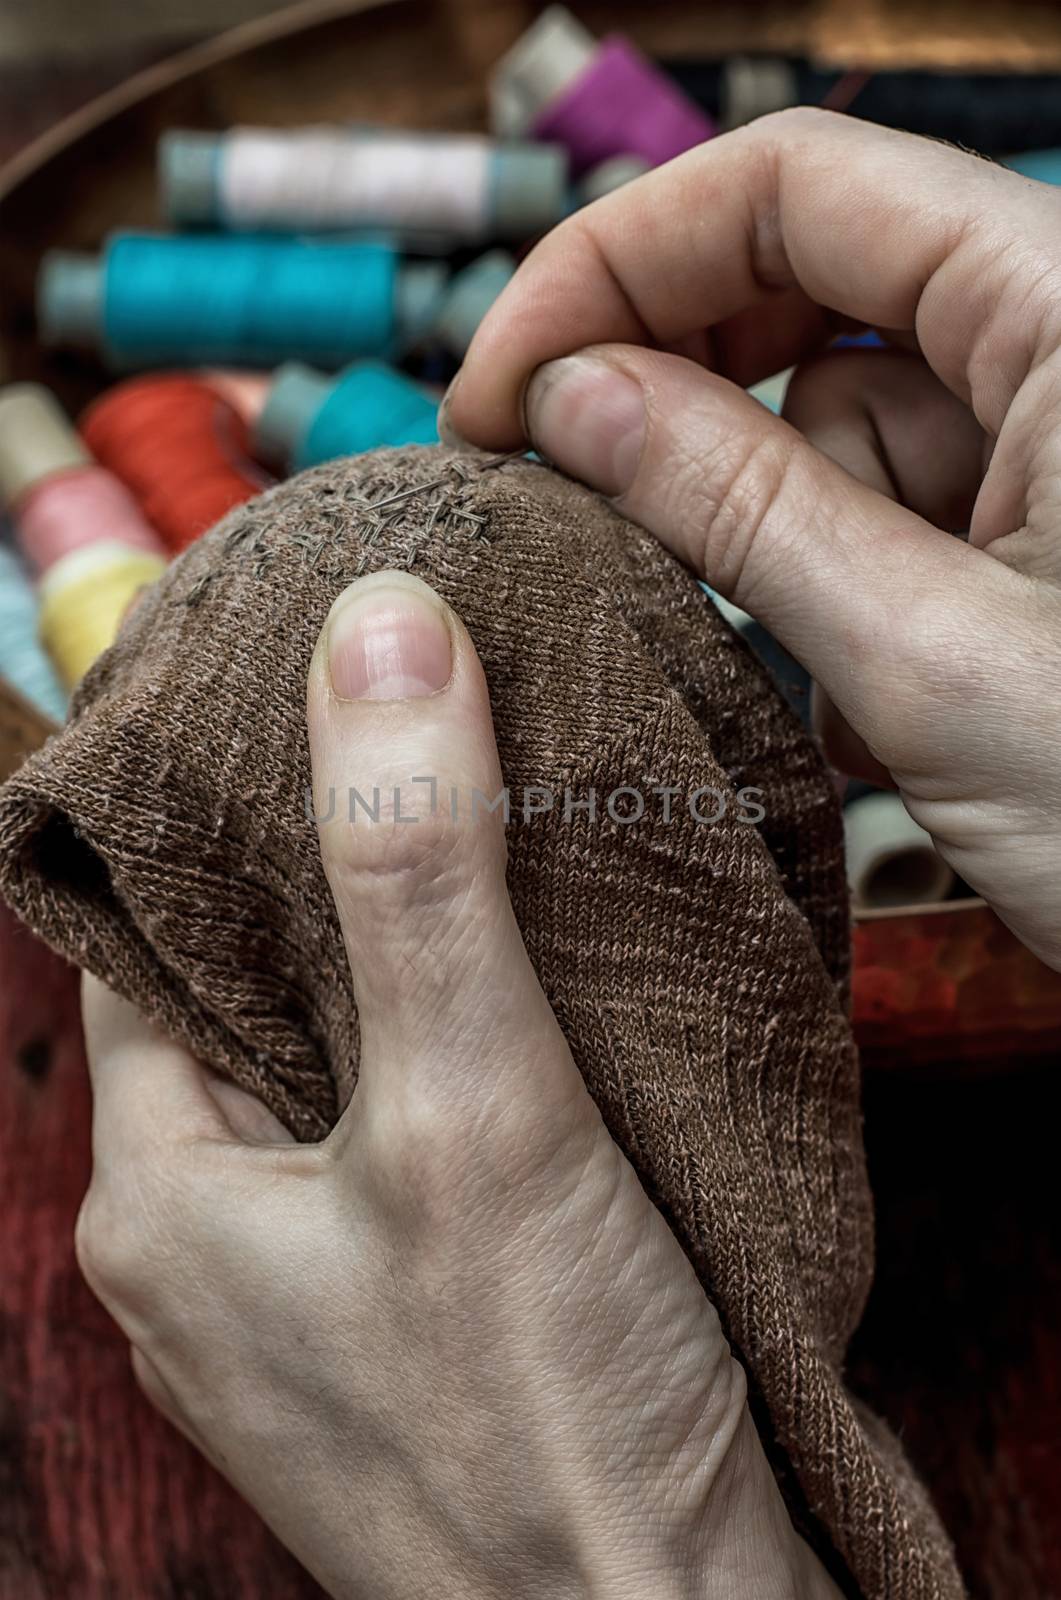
599, 99
621, 105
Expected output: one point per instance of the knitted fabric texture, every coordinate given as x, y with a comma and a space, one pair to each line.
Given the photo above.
698, 969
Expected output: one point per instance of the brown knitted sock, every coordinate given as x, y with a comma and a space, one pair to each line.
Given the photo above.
698, 970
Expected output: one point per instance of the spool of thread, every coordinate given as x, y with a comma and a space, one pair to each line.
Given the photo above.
150, 300
78, 526
465, 186
598, 99
309, 418
23, 661
83, 599
890, 860
471, 294
59, 498
182, 451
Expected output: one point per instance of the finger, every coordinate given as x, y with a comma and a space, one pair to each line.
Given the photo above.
405, 770
862, 591
150, 1093
886, 418
845, 750
892, 231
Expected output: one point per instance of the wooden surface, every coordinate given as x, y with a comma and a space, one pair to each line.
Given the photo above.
70, 30
102, 1500
971, 35
992, 35
99, 1498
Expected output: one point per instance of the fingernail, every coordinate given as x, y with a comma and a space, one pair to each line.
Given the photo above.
388, 639
588, 419
446, 431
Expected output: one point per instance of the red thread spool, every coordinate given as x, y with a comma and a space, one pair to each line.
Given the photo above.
179, 446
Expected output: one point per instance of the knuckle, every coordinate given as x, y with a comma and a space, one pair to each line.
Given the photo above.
450, 1167
783, 124
831, 381
413, 1168
107, 1248
407, 853
426, 1153
731, 497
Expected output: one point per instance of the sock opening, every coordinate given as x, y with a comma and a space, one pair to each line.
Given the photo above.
60, 851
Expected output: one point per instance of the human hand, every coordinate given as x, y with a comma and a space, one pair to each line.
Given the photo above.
940, 659
452, 1350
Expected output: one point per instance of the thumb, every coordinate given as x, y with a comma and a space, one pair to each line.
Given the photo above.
866, 594
410, 808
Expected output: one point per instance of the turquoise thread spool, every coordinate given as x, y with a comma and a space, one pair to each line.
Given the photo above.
149, 300
309, 418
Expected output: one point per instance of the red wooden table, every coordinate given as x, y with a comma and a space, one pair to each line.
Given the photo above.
101, 1500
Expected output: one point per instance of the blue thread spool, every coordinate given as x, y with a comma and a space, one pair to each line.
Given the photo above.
23, 661
150, 300
309, 418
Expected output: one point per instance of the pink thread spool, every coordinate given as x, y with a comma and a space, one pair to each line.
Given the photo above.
60, 499
597, 99
72, 509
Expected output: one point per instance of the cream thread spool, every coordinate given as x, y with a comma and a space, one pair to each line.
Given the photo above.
37, 440
891, 861
58, 495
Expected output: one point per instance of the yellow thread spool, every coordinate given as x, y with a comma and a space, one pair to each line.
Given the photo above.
83, 599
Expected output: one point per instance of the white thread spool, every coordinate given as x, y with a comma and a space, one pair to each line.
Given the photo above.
462, 186
890, 860
313, 177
